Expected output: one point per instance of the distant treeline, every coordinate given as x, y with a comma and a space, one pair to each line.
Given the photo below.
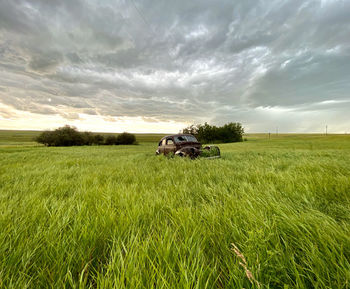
230, 132
70, 136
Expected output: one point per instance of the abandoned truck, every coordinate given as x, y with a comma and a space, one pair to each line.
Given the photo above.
185, 145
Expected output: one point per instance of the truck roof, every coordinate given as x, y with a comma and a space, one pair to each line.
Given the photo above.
179, 134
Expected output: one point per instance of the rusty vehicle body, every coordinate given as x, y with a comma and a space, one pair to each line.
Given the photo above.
183, 145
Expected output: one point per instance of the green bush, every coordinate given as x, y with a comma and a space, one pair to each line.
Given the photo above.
230, 132
70, 136
63, 136
126, 138
98, 139
88, 138
111, 140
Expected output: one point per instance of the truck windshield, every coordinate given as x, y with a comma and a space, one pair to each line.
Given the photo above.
185, 138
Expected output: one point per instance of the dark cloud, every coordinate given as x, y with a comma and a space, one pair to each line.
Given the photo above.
259, 62
45, 62
304, 79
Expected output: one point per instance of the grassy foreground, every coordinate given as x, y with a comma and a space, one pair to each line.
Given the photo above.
120, 217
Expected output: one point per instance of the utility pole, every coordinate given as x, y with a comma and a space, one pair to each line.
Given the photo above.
277, 130
326, 129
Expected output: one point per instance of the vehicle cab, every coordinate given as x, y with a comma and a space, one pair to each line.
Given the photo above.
174, 143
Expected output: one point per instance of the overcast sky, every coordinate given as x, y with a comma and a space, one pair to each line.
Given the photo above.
157, 66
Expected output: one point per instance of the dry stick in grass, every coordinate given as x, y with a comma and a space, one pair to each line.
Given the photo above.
244, 264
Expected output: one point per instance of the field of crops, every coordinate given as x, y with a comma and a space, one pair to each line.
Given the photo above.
271, 213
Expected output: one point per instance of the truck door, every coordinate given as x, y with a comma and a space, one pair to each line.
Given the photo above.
161, 146
169, 146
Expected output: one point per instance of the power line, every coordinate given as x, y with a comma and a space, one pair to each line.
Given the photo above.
143, 18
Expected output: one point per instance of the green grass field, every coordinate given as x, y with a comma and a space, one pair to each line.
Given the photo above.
120, 217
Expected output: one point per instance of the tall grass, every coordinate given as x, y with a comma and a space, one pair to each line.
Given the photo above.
120, 217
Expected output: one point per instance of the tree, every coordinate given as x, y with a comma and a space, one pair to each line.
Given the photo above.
63, 136
98, 139
88, 138
70, 136
192, 129
126, 138
230, 132
111, 140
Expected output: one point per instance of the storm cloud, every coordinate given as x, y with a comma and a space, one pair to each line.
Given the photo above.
263, 63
